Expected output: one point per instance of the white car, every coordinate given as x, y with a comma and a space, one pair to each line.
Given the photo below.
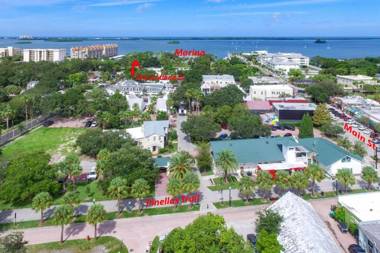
92, 174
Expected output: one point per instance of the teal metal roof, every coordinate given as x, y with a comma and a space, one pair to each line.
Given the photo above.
262, 150
268, 150
161, 162
327, 152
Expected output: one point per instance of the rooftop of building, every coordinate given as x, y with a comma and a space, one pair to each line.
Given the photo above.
268, 150
364, 206
355, 77
218, 78
372, 231
158, 127
272, 86
162, 162
258, 105
302, 230
295, 106
265, 79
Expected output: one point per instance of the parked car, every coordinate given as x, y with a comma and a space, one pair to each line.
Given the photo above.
48, 123
223, 136
251, 238
88, 123
289, 127
92, 174
354, 248
288, 135
342, 227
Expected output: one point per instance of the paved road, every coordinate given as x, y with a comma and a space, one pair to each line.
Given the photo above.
183, 142
136, 233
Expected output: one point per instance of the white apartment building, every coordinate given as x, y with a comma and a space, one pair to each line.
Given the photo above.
264, 92
10, 52
212, 83
37, 55
282, 62
265, 80
354, 82
94, 51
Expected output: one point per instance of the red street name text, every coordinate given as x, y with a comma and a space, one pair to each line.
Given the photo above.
191, 53
359, 136
195, 198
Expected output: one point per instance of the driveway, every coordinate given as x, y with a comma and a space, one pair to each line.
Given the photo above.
184, 143
161, 185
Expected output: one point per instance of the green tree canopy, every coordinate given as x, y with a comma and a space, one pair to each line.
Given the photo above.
306, 127
200, 128
321, 115
345, 178
369, 175
41, 202
63, 215
180, 164
226, 163
96, 215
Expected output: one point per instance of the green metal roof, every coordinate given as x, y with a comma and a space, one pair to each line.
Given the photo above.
161, 162
268, 150
262, 150
327, 152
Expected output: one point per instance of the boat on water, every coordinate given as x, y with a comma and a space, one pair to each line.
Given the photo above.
320, 41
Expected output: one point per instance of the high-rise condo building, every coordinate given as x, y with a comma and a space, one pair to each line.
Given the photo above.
94, 51
37, 55
10, 51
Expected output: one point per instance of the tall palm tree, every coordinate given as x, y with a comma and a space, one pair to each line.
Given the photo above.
190, 182
346, 178
316, 174
180, 164
246, 187
63, 215
174, 187
282, 180
299, 181
227, 163
41, 202
96, 214
118, 190
370, 176
140, 190
264, 182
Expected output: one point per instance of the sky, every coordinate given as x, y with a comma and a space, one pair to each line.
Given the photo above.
134, 18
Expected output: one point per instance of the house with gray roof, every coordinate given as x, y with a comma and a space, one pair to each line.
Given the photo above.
287, 153
211, 83
152, 135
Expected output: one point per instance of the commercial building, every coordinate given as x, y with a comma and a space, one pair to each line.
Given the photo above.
265, 92
37, 55
130, 86
211, 83
293, 111
355, 82
94, 51
258, 106
152, 135
10, 52
282, 62
363, 207
265, 80
302, 230
287, 153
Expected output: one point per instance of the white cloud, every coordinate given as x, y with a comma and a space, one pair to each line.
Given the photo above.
274, 14
281, 4
143, 7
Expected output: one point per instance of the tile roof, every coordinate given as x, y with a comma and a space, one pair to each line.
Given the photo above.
158, 127
161, 162
371, 230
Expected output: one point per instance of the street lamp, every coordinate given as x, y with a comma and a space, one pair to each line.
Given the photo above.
229, 188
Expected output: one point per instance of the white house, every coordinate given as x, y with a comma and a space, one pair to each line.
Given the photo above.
264, 92
161, 104
212, 83
265, 80
135, 101
282, 62
355, 82
152, 135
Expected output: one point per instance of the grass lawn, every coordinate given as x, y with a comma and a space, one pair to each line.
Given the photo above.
42, 139
87, 192
109, 216
112, 245
220, 184
240, 203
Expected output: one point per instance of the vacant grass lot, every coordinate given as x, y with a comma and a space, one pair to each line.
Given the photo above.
108, 243
42, 139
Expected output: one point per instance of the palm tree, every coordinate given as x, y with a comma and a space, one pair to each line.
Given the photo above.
226, 162
369, 175
316, 174
96, 214
7, 114
174, 187
299, 181
41, 202
63, 215
180, 164
71, 198
264, 182
140, 190
246, 187
190, 182
345, 177
70, 167
102, 160
282, 180
118, 190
